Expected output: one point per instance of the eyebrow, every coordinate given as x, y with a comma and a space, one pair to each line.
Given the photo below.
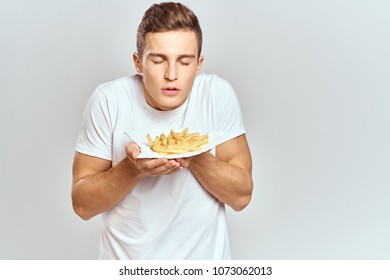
166, 57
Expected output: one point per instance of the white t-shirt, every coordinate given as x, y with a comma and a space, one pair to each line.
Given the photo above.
170, 216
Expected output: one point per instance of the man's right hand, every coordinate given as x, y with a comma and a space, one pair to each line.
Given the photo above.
98, 186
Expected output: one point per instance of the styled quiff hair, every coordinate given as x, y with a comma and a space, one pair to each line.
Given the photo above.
168, 16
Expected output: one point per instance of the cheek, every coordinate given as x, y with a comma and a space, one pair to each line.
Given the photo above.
151, 80
151, 71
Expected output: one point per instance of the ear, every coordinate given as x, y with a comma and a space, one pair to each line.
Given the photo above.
200, 63
137, 63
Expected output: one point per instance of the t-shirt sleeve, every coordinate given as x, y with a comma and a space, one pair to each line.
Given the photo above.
95, 135
230, 117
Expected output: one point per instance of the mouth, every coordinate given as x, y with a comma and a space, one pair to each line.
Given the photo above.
170, 90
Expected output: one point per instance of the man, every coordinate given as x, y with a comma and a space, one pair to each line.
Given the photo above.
159, 208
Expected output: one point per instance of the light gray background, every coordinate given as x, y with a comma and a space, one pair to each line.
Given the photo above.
313, 81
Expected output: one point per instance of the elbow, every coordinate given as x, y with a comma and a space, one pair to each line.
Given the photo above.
81, 212
242, 203
244, 200
79, 209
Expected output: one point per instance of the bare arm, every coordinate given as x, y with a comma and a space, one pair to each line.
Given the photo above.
228, 176
97, 186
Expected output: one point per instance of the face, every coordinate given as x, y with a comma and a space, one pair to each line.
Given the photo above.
169, 65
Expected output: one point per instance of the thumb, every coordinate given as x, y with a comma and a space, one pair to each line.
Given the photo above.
132, 150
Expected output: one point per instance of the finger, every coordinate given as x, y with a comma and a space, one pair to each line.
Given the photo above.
175, 170
132, 150
173, 167
166, 168
150, 166
152, 163
184, 162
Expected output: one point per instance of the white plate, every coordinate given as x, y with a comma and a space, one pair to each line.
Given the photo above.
147, 152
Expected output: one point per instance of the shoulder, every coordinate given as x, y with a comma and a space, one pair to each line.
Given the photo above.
213, 86
118, 91
120, 85
211, 80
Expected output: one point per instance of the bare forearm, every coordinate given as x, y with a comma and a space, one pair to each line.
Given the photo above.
230, 184
96, 193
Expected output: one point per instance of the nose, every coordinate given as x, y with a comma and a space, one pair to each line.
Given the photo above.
171, 73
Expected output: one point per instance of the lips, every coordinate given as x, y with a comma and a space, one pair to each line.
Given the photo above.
170, 90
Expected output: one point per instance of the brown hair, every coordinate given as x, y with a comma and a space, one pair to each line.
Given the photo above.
168, 16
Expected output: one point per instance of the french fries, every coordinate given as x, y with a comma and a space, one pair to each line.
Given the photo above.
177, 142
